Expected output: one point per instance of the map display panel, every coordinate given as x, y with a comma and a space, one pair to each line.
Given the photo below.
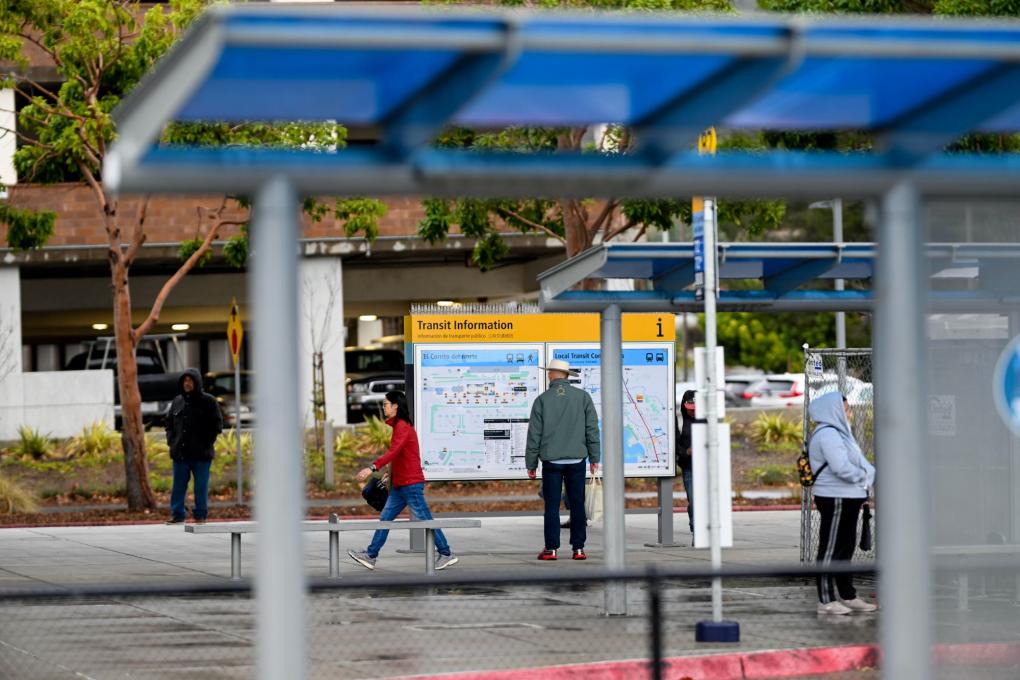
647, 400
472, 404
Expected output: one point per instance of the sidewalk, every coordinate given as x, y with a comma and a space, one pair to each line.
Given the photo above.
369, 632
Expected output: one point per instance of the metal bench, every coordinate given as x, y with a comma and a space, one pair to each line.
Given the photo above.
967, 551
334, 526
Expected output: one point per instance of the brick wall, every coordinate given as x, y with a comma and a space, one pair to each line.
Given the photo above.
169, 218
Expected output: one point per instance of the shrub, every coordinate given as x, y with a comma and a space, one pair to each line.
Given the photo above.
95, 439
776, 429
376, 435
773, 474
226, 443
15, 498
32, 443
345, 445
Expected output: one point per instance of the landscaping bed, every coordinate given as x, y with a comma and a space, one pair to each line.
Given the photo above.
68, 479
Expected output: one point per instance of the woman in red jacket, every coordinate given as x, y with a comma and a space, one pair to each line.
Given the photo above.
408, 483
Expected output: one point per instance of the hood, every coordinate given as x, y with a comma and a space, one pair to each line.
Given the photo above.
828, 410
195, 376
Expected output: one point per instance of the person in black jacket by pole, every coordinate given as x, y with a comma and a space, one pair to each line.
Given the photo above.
684, 457
192, 425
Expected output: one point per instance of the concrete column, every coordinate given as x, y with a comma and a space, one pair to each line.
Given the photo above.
10, 320
369, 331
321, 325
900, 436
280, 588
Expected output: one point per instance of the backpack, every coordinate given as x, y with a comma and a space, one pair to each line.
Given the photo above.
807, 477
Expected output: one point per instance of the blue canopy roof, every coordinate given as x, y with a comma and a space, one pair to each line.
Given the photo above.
916, 84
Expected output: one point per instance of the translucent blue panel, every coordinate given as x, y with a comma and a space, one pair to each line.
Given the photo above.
657, 27
352, 86
988, 35
1007, 121
558, 88
837, 92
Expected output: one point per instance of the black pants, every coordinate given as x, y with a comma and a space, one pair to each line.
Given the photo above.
554, 476
837, 538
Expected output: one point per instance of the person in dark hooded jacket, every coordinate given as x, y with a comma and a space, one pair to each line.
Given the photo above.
192, 425
684, 457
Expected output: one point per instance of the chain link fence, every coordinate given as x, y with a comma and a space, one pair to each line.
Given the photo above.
388, 627
847, 371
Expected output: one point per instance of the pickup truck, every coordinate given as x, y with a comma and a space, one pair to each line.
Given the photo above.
157, 386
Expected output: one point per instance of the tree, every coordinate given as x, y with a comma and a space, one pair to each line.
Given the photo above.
579, 224
101, 49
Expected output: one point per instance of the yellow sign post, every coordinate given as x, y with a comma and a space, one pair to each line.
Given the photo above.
235, 333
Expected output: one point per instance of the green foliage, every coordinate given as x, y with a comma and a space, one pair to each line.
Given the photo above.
774, 342
27, 229
226, 443
235, 251
96, 439
345, 446
772, 429
771, 474
32, 443
375, 436
15, 498
360, 215
190, 247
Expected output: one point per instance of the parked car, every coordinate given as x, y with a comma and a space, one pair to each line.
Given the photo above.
736, 384
777, 390
858, 393
371, 373
156, 385
220, 384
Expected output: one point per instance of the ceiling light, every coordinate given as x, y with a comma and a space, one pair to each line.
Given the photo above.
444, 303
100, 326
368, 317
180, 326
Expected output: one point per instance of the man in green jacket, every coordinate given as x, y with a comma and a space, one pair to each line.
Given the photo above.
562, 432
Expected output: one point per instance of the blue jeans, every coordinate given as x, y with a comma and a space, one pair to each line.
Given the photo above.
554, 475
183, 471
411, 496
689, 490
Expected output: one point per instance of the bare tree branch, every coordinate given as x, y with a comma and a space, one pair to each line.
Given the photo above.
534, 225
138, 233
613, 234
607, 210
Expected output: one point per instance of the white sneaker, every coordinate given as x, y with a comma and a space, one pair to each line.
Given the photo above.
835, 608
859, 605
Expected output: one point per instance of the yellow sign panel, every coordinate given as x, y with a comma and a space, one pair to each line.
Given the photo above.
532, 328
707, 142
235, 331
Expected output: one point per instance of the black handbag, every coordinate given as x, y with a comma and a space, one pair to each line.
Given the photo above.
375, 493
867, 538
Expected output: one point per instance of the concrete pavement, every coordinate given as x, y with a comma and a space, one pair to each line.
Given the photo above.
366, 631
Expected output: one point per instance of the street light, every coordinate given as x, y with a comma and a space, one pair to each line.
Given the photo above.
836, 206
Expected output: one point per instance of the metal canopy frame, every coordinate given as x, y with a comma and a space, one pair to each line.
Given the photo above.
410, 73
914, 84
783, 268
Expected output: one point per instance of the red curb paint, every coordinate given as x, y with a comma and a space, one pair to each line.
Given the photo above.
790, 663
977, 654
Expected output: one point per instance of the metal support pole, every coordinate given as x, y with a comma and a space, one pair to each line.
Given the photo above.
279, 501
904, 568
655, 622
235, 557
613, 520
430, 552
237, 430
711, 408
665, 536
837, 236
328, 453
334, 548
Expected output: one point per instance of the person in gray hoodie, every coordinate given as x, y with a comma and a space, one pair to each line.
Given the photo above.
842, 479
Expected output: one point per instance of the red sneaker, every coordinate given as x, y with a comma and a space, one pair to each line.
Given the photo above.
579, 554
546, 555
